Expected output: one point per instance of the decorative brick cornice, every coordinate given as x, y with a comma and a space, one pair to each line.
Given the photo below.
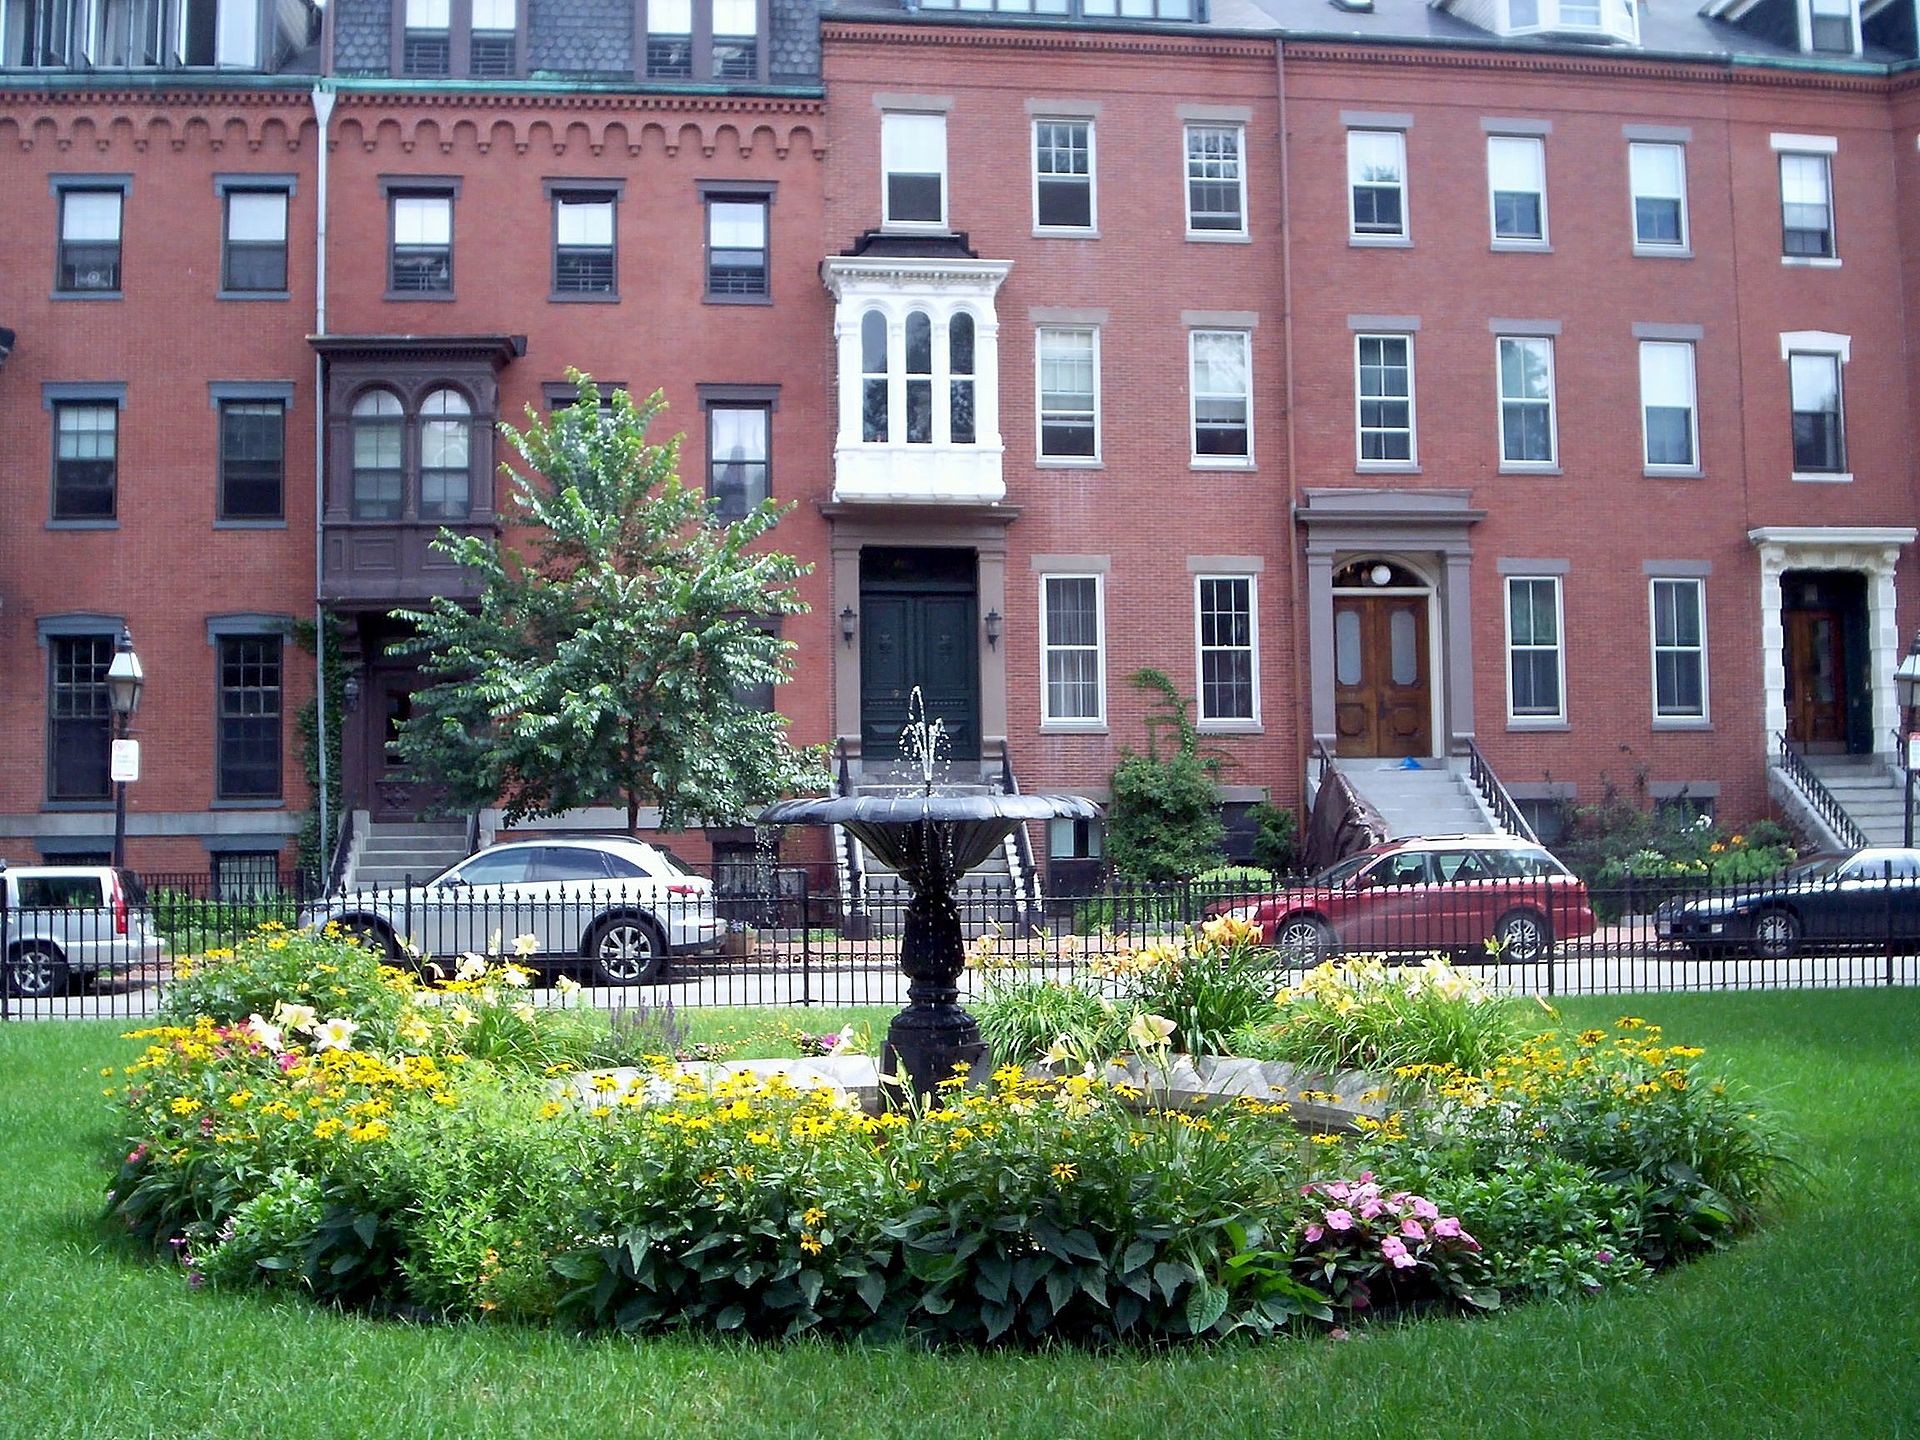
1047, 39
1605, 65
594, 123
66, 120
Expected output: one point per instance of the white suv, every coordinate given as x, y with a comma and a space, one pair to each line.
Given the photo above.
68, 923
618, 903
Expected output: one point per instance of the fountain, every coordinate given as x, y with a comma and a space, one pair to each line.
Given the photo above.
932, 839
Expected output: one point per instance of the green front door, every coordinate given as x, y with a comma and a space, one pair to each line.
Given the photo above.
918, 636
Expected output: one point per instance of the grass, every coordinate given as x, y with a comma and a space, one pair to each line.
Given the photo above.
1806, 1329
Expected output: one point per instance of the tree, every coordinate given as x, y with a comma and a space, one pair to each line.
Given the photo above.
1163, 822
609, 658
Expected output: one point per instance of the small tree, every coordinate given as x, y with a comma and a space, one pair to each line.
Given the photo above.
609, 658
1163, 822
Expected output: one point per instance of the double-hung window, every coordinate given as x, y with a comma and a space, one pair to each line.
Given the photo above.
1072, 650
1377, 184
86, 459
420, 259
89, 262
1679, 649
253, 260
1383, 388
1216, 180
253, 459
1228, 646
1657, 173
79, 716
1669, 420
247, 764
1517, 188
1069, 391
1806, 206
913, 157
584, 252
1527, 427
1819, 429
1063, 176
737, 247
1536, 661
1220, 363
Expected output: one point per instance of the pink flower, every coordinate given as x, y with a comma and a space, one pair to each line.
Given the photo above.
1447, 1228
1397, 1253
1339, 1220
1411, 1229
1316, 1233
1425, 1208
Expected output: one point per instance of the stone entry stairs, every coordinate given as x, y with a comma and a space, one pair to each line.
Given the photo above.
386, 852
1872, 793
1432, 799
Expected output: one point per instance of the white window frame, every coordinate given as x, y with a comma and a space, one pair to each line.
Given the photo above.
1041, 457
1098, 720
1657, 467
1643, 246
1538, 147
1361, 461
1187, 177
1378, 237
1217, 462
1678, 719
1515, 719
1219, 723
1552, 462
890, 119
1091, 229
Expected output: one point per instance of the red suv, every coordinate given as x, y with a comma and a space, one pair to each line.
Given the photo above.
1450, 893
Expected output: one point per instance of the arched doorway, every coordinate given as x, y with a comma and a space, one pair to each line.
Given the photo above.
1383, 634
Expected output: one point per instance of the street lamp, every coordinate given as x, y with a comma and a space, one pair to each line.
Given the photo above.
125, 680
1907, 679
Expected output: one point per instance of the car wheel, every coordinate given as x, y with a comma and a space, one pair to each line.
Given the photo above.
36, 972
1523, 937
626, 950
1776, 934
1303, 940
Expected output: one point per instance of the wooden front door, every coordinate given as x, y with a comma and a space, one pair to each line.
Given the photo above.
1382, 695
1816, 688
914, 638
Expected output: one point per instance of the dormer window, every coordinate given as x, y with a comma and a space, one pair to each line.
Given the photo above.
1830, 27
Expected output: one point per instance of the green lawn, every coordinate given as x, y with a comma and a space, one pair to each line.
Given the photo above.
1808, 1330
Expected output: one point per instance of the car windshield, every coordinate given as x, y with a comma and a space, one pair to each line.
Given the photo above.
1342, 871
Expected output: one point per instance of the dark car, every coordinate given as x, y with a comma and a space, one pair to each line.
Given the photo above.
1446, 893
1869, 897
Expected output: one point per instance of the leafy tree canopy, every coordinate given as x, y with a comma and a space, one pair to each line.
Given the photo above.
609, 656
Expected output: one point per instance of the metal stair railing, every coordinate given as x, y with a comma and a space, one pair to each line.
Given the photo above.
1506, 814
1824, 802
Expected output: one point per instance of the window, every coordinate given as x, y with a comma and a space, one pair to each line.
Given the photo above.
1069, 393
1667, 405
247, 765
427, 42
1377, 182
253, 437
89, 241
737, 458
583, 254
491, 53
254, 260
1384, 388
1657, 174
79, 716
736, 247
422, 254
1228, 667
1216, 180
1679, 650
1526, 401
1830, 27
446, 472
85, 460
1222, 375
1806, 206
1536, 666
243, 875
736, 40
1517, 184
1063, 175
913, 154
1071, 650
1819, 441
378, 476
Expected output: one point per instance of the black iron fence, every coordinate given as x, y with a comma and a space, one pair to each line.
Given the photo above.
780, 936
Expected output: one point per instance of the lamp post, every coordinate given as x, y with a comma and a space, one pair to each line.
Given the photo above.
125, 680
1907, 679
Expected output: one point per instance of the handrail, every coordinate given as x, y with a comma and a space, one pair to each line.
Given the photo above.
1505, 813
1825, 804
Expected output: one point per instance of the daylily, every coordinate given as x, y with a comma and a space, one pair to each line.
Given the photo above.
335, 1034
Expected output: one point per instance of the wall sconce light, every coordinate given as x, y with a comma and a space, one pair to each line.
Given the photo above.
350, 692
847, 619
993, 629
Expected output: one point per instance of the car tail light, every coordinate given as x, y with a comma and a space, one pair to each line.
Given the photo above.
119, 908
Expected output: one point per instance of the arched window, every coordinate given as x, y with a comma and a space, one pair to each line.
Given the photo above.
919, 379
960, 376
873, 377
445, 474
378, 474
